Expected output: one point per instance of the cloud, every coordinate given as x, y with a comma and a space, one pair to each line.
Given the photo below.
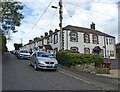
104, 13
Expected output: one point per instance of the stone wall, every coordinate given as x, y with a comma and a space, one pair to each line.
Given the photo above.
90, 68
87, 67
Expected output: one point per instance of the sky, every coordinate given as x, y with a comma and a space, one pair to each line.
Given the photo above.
39, 17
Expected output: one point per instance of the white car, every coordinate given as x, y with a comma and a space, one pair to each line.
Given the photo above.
23, 54
43, 60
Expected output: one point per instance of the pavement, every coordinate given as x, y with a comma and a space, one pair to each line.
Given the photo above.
114, 73
115, 69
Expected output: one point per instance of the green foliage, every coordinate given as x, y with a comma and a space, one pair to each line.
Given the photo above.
3, 47
72, 51
68, 58
17, 46
118, 50
10, 16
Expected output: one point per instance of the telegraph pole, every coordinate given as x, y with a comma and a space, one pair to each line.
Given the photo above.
60, 24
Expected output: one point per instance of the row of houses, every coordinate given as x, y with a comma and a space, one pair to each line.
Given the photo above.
77, 38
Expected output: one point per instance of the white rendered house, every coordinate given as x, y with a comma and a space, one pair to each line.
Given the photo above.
77, 38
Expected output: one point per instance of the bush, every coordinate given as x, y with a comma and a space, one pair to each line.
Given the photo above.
70, 58
71, 51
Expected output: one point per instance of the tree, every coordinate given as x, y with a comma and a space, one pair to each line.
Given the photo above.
10, 16
17, 46
118, 50
3, 47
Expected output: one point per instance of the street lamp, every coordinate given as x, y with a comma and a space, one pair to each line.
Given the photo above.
54, 7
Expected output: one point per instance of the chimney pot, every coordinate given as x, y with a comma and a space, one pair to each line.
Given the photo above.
50, 32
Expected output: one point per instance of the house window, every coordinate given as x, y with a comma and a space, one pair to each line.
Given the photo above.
86, 38
102, 53
95, 39
110, 41
74, 48
112, 54
108, 53
86, 50
55, 38
107, 41
55, 51
51, 39
48, 41
42, 42
73, 36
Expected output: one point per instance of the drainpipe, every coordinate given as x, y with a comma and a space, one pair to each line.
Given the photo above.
67, 39
105, 44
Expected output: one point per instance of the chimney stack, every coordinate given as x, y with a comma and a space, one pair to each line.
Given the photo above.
30, 41
41, 36
50, 32
56, 30
46, 33
92, 26
36, 38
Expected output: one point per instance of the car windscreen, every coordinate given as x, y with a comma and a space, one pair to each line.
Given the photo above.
24, 51
44, 54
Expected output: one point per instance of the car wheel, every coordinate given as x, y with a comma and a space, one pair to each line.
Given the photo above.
35, 66
29, 63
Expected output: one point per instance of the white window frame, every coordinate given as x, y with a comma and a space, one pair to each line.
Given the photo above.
86, 38
95, 39
73, 36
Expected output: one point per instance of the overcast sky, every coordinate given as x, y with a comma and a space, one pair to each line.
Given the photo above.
39, 17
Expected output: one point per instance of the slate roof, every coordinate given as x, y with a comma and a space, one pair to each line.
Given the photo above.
86, 30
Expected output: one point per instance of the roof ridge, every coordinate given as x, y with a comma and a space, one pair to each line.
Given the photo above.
83, 29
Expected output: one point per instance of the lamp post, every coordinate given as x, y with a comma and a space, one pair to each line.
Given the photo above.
60, 24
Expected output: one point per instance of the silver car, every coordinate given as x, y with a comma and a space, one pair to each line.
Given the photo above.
43, 60
23, 54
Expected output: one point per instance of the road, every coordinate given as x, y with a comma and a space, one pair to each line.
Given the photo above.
17, 75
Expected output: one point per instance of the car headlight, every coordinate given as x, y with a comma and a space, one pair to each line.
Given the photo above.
41, 61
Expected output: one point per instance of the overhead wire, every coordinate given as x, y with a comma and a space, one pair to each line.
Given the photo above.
71, 17
54, 16
39, 19
100, 2
52, 25
86, 11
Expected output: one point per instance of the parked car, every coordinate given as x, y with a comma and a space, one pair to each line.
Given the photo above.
23, 54
43, 60
16, 52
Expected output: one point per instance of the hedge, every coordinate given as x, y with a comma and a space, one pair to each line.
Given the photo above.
71, 58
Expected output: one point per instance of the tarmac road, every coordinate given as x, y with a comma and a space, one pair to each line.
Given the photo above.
17, 75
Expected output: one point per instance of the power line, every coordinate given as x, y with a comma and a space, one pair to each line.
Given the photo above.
91, 10
52, 25
72, 16
39, 18
95, 2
